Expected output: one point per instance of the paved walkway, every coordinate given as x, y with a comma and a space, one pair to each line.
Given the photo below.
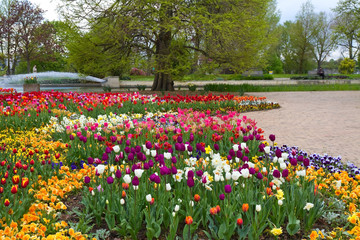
317, 122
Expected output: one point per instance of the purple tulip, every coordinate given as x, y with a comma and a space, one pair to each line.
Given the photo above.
151, 163
71, 137
118, 173
127, 149
135, 181
121, 155
251, 137
300, 158
216, 147
252, 171
90, 160
132, 150
113, 139
164, 170
203, 179
259, 175
293, 161
245, 166
105, 157
190, 174
190, 148
148, 145
232, 152
146, 166
199, 173
272, 137
227, 188
245, 159
285, 173
261, 147
108, 150
229, 157
152, 177
239, 154
157, 136
191, 138
222, 196
257, 137
306, 162
190, 182
173, 160
128, 142
127, 170
87, 179
110, 180
278, 153
131, 156
157, 179
173, 170
245, 138
137, 149
179, 139
276, 173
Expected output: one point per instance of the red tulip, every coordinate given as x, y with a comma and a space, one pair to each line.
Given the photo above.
14, 189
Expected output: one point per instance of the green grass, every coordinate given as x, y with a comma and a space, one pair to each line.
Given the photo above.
282, 88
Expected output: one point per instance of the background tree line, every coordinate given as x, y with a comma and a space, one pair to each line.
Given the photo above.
172, 38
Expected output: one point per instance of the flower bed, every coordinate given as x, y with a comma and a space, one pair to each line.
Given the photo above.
161, 167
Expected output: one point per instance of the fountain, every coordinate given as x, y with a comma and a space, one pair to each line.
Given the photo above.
51, 80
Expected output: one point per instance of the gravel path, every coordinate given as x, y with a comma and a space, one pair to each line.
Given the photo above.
317, 122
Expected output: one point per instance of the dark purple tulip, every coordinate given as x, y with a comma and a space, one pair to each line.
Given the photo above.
245, 158
128, 142
227, 188
157, 179
108, 150
249, 127
245, 166
173, 170
90, 160
190, 148
203, 180
177, 146
135, 181
166, 131
202, 149
179, 139
191, 138
164, 170
146, 166
161, 162
276, 173
300, 158
173, 160
190, 174
157, 136
247, 150
110, 180
157, 146
190, 182
278, 153
199, 173
261, 147
216, 147
151, 163
121, 155
251, 137
306, 162
134, 167
252, 171
239, 154
132, 150
117, 158
222, 196
139, 156
127, 149
198, 146
285, 173
131, 156
113, 139
232, 152
160, 157
293, 161
229, 157
87, 179
245, 138
259, 175
137, 149
148, 145
105, 157
118, 173
71, 137
127, 170
152, 177
84, 139
182, 147
257, 137
272, 137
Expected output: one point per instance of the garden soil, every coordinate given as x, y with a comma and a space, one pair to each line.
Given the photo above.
317, 122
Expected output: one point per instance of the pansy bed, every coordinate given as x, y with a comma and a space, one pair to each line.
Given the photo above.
130, 166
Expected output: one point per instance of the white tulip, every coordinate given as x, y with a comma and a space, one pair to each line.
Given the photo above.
127, 178
237, 160
167, 155
275, 159
148, 198
285, 156
280, 202
235, 147
258, 208
191, 203
112, 169
283, 165
168, 187
228, 176
153, 153
174, 214
243, 145
177, 208
100, 168
122, 201
235, 175
116, 148
138, 172
245, 173
267, 149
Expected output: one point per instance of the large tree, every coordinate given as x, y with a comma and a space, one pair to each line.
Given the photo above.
230, 33
348, 26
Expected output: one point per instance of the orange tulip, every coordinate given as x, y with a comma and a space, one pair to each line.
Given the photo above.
197, 198
245, 207
239, 221
188, 220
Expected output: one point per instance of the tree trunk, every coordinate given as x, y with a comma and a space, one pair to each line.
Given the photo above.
162, 80
28, 64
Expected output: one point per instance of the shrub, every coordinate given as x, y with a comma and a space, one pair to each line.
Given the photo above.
192, 87
241, 77
30, 80
347, 66
137, 72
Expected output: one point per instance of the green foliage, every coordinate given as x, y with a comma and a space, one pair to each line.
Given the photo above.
30, 80
347, 66
241, 77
